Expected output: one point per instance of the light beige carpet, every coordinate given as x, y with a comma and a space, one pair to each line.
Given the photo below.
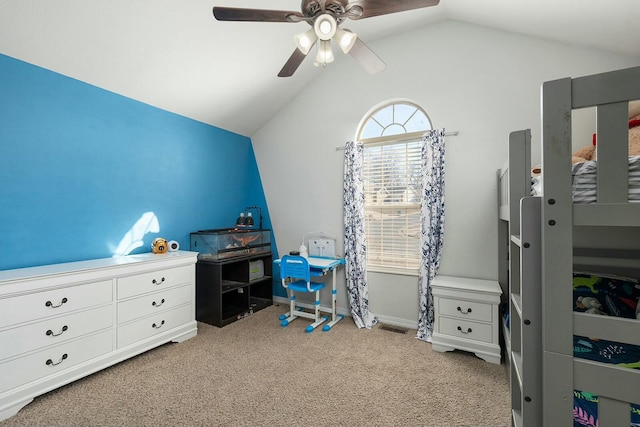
255, 373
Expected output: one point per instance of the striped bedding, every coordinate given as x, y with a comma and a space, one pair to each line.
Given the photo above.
584, 181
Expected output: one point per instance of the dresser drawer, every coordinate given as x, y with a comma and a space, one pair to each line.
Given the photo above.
149, 326
150, 282
32, 307
153, 303
465, 329
470, 310
54, 331
53, 360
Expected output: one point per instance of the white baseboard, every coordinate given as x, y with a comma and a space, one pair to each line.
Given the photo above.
387, 320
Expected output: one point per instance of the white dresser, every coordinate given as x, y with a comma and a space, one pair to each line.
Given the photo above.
467, 316
61, 322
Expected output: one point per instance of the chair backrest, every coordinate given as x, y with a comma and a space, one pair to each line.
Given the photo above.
294, 267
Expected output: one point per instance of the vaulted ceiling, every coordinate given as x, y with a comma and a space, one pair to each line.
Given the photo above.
174, 55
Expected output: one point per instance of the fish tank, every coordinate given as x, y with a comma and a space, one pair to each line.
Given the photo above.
223, 243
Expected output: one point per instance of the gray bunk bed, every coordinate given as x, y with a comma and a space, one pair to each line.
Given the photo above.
552, 248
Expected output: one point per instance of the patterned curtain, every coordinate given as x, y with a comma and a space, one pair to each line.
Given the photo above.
355, 246
432, 219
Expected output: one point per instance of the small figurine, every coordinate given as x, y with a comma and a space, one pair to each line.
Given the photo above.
159, 246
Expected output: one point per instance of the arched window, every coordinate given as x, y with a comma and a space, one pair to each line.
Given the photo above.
392, 138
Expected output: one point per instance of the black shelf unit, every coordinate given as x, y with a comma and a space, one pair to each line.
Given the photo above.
227, 290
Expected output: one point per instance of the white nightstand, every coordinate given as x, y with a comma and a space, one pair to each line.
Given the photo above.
467, 316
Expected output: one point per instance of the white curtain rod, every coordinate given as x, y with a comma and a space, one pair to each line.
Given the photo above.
450, 133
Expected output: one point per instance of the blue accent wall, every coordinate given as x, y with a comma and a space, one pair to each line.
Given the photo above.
81, 166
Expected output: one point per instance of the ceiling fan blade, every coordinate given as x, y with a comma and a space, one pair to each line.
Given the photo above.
366, 57
292, 63
371, 8
255, 15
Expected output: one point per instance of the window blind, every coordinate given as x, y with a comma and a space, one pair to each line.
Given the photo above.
393, 187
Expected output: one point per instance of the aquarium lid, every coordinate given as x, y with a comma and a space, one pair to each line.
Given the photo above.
232, 230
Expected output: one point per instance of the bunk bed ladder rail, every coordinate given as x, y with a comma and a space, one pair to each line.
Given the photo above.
524, 355
526, 322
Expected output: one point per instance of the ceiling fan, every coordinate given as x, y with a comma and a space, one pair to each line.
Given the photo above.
325, 17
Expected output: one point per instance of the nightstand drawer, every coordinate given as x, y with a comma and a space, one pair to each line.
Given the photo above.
470, 310
464, 329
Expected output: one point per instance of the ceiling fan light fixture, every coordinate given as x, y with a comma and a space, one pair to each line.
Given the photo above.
325, 26
324, 16
325, 54
305, 41
346, 39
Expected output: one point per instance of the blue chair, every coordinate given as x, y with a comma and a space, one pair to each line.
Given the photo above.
296, 277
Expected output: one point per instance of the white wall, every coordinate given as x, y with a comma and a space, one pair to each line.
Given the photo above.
481, 82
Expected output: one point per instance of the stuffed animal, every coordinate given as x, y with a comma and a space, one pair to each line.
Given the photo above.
584, 154
159, 246
634, 136
589, 152
590, 305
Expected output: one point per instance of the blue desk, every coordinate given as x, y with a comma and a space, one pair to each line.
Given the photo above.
320, 266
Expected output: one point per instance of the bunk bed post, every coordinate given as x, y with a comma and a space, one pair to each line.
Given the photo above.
557, 254
520, 157
524, 238
503, 241
503, 260
519, 176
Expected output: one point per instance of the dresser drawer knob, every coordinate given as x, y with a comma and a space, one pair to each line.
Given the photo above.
50, 304
155, 282
468, 331
158, 326
464, 312
50, 332
51, 363
155, 304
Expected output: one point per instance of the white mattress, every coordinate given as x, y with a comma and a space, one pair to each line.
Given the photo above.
584, 181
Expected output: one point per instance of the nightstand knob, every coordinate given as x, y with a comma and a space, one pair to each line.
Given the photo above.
468, 331
464, 312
